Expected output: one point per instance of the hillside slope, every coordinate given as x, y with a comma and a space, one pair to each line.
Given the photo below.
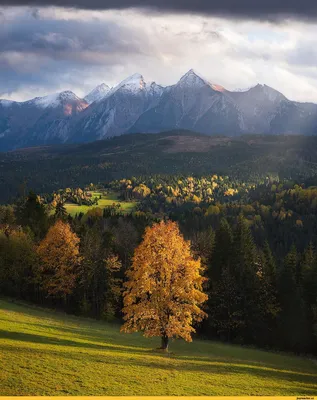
249, 157
50, 353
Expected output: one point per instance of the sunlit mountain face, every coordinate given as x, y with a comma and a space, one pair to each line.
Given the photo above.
137, 106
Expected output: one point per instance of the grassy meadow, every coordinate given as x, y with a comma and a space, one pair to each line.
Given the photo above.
50, 353
107, 199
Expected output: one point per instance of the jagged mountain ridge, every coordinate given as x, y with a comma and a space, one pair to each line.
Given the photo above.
37, 121
134, 105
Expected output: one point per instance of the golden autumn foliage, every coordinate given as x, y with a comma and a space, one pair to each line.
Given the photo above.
59, 254
164, 288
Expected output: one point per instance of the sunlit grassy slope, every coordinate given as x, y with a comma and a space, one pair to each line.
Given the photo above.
50, 353
106, 200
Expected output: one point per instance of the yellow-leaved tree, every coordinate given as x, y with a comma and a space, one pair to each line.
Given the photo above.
164, 288
59, 255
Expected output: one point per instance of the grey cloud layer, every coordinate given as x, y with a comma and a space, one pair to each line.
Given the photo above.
53, 54
58, 36
50, 49
267, 9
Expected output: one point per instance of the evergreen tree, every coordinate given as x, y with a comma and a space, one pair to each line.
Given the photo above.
222, 253
267, 298
245, 267
225, 314
32, 213
292, 319
309, 289
100, 287
60, 211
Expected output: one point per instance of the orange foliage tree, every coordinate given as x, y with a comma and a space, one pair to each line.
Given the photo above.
164, 288
59, 254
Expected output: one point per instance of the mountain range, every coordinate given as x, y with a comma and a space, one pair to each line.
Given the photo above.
135, 106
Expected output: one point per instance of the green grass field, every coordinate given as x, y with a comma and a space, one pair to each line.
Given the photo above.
49, 353
107, 199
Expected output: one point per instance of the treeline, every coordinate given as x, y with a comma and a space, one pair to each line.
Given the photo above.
256, 295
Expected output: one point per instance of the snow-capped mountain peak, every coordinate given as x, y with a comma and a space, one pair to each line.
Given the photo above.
54, 100
97, 94
192, 78
133, 83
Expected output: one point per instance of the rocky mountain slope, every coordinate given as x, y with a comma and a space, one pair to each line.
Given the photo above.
135, 106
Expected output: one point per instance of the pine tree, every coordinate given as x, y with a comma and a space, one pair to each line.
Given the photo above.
225, 313
224, 297
32, 213
60, 211
309, 289
98, 270
245, 265
222, 252
164, 288
292, 319
269, 307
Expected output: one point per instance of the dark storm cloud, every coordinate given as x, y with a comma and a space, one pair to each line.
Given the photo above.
258, 9
61, 53
66, 38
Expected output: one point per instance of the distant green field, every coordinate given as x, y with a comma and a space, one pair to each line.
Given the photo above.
107, 199
49, 353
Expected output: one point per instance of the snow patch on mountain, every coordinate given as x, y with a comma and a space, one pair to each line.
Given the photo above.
54, 100
242, 90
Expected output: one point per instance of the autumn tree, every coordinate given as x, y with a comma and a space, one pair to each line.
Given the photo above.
59, 254
164, 288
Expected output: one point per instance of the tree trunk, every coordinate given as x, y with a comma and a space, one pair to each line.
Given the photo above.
164, 345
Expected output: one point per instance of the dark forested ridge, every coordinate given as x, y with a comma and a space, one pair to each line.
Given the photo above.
249, 158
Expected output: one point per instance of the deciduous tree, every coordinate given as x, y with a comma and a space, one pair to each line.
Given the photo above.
164, 288
59, 254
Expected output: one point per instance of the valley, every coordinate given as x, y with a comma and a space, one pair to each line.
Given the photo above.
104, 200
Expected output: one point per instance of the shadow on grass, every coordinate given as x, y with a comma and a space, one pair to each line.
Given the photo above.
133, 356
51, 340
84, 332
104, 333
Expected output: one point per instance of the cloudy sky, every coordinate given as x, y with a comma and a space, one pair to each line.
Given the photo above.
236, 44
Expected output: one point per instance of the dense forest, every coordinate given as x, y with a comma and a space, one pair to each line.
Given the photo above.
257, 243
249, 158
